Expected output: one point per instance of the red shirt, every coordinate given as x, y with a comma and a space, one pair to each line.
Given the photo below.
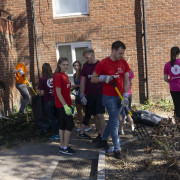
115, 68
61, 80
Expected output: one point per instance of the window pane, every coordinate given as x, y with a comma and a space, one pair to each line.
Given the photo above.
65, 51
71, 6
79, 54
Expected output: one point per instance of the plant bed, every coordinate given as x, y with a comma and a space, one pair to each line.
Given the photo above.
19, 129
155, 158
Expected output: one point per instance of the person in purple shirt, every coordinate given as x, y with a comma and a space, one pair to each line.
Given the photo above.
93, 94
46, 90
172, 76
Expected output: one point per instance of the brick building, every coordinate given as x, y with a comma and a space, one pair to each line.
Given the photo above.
65, 28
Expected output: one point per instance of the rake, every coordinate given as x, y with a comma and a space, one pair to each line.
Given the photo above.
140, 130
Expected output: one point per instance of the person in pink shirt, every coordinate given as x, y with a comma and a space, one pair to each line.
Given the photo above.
172, 76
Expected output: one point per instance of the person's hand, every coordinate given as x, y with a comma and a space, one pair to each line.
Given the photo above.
125, 101
67, 109
105, 78
30, 85
21, 73
83, 99
72, 109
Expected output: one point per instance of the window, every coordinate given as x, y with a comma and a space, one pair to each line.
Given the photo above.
73, 51
70, 7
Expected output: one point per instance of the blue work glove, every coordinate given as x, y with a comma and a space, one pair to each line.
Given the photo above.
125, 101
83, 99
67, 109
105, 78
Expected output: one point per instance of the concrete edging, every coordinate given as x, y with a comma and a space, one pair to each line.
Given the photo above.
101, 166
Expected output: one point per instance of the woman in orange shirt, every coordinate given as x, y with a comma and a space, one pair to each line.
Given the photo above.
21, 71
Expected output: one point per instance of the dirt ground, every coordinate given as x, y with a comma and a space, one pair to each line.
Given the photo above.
139, 161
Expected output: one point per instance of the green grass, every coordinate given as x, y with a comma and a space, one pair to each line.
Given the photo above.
165, 105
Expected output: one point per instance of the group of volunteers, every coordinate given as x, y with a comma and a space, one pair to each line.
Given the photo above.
94, 84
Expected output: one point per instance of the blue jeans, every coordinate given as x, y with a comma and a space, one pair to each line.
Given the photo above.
53, 115
114, 108
25, 94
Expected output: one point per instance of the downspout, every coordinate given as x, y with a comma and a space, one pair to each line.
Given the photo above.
145, 50
35, 36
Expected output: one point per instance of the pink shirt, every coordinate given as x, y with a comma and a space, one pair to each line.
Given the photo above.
174, 73
131, 76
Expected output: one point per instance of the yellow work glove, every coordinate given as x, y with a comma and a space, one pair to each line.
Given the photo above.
67, 109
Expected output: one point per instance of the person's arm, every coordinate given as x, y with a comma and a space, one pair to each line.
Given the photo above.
75, 86
59, 95
16, 71
126, 82
95, 78
166, 78
82, 84
42, 92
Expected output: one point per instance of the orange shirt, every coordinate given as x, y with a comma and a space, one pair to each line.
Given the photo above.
20, 79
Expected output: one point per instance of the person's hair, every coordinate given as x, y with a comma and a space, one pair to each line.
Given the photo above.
27, 57
60, 61
174, 52
78, 73
46, 70
117, 44
2, 85
88, 50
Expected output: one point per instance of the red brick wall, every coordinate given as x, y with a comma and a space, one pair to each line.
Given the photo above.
108, 21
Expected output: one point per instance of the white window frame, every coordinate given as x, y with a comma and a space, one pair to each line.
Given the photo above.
73, 52
69, 14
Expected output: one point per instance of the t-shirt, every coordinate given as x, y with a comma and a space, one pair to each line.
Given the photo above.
61, 80
46, 84
117, 69
131, 76
174, 73
91, 88
19, 78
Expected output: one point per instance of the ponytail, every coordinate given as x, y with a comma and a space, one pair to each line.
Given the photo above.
60, 61
174, 52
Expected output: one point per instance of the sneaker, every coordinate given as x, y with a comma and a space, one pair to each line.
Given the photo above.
52, 137
57, 137
69, 151
121, 132
117, 154
97, 139
87, 129
78, 129
61, 149
102, 144
84, 136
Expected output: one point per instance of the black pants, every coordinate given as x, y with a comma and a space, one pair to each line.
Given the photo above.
176, 100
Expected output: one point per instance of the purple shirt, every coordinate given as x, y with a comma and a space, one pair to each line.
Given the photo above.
91, 88
174, 73
46, 85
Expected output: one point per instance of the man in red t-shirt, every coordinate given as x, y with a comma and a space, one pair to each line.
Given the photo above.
113, 66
